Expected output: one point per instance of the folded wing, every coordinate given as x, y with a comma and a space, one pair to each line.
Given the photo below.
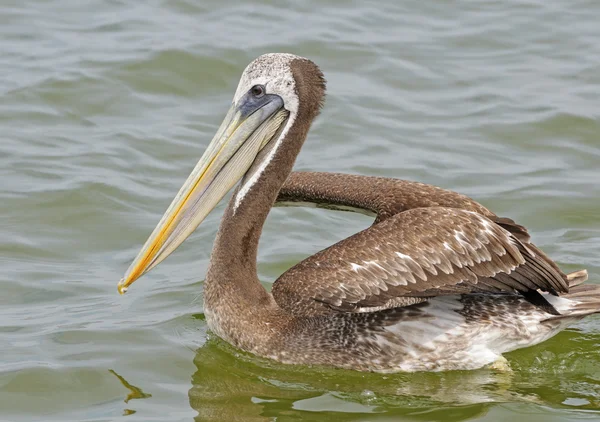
413, 255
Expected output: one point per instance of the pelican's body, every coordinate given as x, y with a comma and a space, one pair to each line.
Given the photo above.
437, 282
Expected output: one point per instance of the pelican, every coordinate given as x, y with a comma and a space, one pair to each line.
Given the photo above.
437, 282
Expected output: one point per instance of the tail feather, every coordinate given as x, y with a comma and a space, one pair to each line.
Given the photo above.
583, 299
576, 278
586, 298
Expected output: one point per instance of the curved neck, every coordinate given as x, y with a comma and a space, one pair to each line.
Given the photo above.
232, 274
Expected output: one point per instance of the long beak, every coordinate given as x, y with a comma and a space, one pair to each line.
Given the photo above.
243, 133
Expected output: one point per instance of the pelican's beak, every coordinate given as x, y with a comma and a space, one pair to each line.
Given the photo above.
248, 127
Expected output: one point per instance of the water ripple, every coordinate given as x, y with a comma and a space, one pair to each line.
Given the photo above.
106, 105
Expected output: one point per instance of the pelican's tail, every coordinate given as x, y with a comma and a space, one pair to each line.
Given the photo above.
582, 299
576, 278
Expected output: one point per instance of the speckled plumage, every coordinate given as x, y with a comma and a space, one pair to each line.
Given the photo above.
444, 333
421, 252
437, 282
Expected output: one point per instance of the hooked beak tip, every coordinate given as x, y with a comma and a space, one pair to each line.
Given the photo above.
121, 287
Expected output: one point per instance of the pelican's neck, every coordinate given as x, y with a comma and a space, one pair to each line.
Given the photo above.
232, 274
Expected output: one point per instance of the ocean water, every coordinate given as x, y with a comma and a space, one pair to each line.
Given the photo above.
105, 107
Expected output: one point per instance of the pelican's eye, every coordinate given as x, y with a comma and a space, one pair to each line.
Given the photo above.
258, 90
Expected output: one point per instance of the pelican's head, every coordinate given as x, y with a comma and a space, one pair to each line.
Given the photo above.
274, 91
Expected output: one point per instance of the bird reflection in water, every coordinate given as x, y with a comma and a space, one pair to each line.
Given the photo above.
134, 392
235, 386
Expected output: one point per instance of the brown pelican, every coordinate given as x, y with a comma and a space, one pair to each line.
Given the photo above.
437, 282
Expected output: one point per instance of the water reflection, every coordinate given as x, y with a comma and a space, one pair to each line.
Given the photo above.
229, 385
134, 392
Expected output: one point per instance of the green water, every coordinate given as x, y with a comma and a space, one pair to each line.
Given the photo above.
105, 107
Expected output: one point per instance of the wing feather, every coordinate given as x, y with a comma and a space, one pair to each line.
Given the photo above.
417, 253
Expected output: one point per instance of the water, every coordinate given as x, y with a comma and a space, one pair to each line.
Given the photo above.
105, 107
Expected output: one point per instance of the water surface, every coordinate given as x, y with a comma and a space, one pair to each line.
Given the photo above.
105, 107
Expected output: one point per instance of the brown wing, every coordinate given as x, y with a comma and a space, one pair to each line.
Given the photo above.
418, 253
385, 197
